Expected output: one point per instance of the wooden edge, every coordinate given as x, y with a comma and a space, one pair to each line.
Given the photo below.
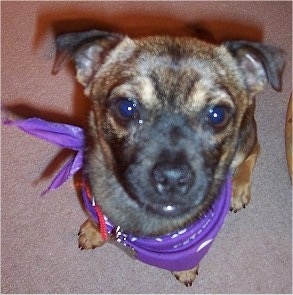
288, 136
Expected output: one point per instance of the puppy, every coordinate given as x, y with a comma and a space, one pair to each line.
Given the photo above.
171, 117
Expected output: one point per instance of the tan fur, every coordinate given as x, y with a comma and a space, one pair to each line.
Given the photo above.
89, 236
186, 277
242, 180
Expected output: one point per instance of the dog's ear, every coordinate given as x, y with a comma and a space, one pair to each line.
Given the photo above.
88, 49
258, 63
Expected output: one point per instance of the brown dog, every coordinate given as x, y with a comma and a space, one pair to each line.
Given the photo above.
171, 118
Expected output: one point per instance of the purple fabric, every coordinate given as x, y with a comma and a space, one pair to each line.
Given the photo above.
176, 251
64, 135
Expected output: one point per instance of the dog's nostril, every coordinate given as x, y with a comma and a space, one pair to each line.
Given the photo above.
170, 178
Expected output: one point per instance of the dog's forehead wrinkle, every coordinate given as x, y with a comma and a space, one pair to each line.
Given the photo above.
172, 87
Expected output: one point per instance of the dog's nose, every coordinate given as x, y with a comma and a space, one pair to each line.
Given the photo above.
172, 178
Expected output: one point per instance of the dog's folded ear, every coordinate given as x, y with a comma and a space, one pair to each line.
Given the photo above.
88, 49
258, 63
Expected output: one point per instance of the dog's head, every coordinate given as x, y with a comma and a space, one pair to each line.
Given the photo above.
165, 120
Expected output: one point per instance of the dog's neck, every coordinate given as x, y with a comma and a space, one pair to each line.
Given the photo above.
175, 251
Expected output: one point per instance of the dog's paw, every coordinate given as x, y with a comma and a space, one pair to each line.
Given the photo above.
186, 277
89, 236
240, 198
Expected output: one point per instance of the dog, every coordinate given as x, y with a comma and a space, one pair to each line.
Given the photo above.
171, 117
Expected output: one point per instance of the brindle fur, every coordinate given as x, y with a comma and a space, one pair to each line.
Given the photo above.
174, 82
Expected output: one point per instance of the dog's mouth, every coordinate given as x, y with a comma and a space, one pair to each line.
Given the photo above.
167, 210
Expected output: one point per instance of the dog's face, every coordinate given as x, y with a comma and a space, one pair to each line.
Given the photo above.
165, 122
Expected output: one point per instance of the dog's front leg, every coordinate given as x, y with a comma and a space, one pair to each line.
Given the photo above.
242, 180
89, 236
186, 277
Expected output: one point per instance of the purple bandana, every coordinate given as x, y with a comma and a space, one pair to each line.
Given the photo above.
176, 251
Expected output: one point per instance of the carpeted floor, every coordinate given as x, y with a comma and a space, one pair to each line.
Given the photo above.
39, 253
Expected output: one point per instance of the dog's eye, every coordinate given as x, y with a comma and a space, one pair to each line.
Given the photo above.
218, 116
125, 109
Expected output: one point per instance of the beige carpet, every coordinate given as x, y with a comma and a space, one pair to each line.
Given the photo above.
39, 253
